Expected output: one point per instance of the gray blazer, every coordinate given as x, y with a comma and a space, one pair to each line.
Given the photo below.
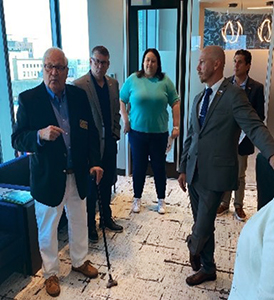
255, 94
86, 83
213, 148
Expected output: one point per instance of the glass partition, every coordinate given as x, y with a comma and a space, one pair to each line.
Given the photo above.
75, 36
157, 28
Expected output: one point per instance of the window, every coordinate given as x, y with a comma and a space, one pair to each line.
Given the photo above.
25, 40
75, 38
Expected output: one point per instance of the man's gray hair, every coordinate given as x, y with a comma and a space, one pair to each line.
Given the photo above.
100, 49
52, 49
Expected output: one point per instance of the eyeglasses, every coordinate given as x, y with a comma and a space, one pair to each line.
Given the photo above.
50, 67
97, 62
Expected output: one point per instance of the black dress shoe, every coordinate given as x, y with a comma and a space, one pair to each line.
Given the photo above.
200, 277
93, 235
112, 226
195, 262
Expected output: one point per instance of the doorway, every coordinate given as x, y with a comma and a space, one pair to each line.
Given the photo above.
158, 25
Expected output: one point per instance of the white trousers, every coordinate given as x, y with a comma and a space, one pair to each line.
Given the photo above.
47, 221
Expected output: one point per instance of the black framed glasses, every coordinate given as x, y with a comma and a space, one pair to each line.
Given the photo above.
98, 62
50, 67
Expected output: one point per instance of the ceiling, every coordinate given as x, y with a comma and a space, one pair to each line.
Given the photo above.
242, 5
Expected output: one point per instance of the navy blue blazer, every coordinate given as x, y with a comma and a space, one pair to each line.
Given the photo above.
48, 162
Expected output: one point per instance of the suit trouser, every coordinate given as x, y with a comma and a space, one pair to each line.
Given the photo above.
109, 167
240, 193
47, 222
145, 146
204, 204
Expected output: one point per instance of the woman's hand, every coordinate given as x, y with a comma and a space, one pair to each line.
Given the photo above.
175, 132
124, 115
126, 126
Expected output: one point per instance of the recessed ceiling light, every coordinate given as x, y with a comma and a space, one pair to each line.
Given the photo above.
232, 4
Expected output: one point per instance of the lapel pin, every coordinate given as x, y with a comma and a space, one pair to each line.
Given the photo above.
219, 93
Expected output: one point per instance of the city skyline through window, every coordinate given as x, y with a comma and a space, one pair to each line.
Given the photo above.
28, 36
75, 41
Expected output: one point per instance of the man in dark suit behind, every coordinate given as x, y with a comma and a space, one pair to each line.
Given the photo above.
255, 93
209, 162
103, 95
55, 124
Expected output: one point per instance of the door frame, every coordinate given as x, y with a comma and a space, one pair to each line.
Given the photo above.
132, 59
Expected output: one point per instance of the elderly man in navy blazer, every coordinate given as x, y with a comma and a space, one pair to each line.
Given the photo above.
255, 93
55, 124
209, 162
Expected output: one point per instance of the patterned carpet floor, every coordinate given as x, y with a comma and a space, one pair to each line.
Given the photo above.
149, 258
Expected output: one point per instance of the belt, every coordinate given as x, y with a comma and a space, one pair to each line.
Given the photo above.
69, 171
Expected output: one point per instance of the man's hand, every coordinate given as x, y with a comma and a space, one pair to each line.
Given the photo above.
182, 181
271, 161
50, 133
98, 172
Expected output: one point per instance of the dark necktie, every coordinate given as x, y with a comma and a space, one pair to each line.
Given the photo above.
204, 108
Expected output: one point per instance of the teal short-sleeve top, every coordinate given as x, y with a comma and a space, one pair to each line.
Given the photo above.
148, 99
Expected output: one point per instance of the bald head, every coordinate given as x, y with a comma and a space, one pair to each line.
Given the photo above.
211, 64
215, 53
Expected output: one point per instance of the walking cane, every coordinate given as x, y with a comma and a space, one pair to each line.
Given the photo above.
111, 281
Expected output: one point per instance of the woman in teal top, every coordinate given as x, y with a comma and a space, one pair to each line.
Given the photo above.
146, 95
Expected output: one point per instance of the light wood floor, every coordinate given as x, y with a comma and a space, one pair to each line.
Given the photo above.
150, 258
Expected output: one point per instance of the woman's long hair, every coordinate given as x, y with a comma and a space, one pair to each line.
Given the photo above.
159, 74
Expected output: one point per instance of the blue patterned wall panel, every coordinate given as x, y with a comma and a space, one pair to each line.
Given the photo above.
215, 21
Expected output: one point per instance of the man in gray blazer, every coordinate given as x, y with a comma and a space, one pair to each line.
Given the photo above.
209, 162
255, 93
103, 96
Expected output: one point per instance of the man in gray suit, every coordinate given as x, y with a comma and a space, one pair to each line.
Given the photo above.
103, 95
209, 162
255, 93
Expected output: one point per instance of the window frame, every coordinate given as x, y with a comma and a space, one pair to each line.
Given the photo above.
6, 107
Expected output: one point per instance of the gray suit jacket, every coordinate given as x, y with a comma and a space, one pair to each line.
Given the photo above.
255, 94
213, 148
86, 83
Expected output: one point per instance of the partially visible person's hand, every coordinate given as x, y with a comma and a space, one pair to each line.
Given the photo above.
50, 133
98, 172
126, 127
271, 161
175, 132
182, 181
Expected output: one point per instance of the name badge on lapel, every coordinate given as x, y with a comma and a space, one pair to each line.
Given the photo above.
83, 124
